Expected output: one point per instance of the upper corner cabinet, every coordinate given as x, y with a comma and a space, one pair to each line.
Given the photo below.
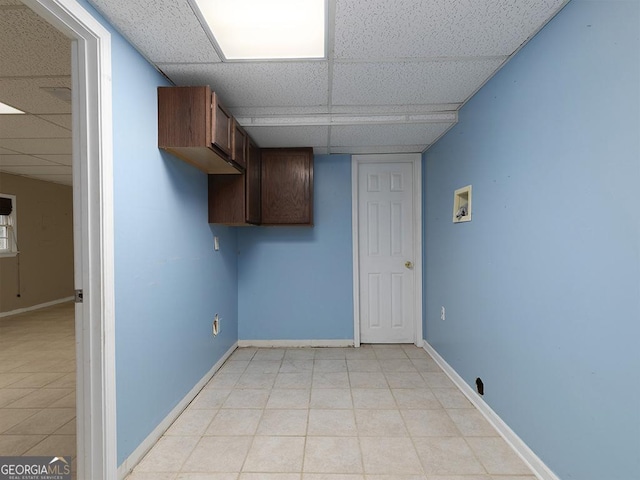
194, 126
287, 186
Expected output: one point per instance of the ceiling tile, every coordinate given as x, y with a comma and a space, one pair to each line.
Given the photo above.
378, 29
373, 149
258, 84
30, 46
62, 179
39, 170
395, 109
240, 112
57, 159
400, 83
163, 30
38, 145
28, 126
295, 136
27, 95
393, 134
22, 160
61, 120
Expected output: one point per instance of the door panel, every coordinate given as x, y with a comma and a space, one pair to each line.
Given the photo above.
385, 230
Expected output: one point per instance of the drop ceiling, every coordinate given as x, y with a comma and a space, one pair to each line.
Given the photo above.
396, 73
34, 56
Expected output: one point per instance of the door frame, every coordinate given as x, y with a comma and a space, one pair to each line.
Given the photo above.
93, 233
416, 160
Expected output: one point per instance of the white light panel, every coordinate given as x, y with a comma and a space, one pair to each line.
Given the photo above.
258, 30
9, 110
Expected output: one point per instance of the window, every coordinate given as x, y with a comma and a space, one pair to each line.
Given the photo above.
8, 226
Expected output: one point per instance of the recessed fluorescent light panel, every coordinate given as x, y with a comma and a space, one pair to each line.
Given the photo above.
267, 30
9, 110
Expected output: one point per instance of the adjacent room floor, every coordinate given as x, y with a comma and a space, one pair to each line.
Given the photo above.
37, 383
371, 413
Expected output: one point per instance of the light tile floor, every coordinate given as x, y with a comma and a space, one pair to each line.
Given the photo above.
371, 413
37, 383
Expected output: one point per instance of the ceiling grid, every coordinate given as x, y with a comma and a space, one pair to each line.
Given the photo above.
395, 75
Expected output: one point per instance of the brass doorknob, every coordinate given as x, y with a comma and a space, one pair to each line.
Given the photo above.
408, 264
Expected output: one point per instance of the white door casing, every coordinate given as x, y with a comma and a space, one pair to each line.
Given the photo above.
387, 248
93, 234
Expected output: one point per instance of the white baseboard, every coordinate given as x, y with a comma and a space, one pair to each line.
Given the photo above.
127, 466
36, 307
294, 343
537, 466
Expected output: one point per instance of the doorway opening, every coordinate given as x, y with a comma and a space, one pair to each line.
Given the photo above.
91, 166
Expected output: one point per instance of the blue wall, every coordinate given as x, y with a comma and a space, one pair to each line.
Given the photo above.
542, 287
296, 282
169, 281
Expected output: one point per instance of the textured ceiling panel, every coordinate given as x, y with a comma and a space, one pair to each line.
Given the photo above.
22, 160
26, 126
378, 29
258, 84
62, 179
33, 146
163, 30
400, 83
395, 109
40, 169
30, 46
64, 121
241, 112
294, 136
59, 159
26, 94
397, 134
374, 149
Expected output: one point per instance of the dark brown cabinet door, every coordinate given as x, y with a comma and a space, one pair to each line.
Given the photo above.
287, 186
184, 117
222, 126
235, 199
227, 199
253, 182
239, 144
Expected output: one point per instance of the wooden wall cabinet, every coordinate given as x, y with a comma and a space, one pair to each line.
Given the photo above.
195, 127
235, 199
253, 184
222, 127
239, 144
287, 186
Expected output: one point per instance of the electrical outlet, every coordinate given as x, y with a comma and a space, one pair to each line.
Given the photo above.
216, 243
442, 314
216, 325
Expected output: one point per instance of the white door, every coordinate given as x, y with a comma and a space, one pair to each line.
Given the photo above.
386, 252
